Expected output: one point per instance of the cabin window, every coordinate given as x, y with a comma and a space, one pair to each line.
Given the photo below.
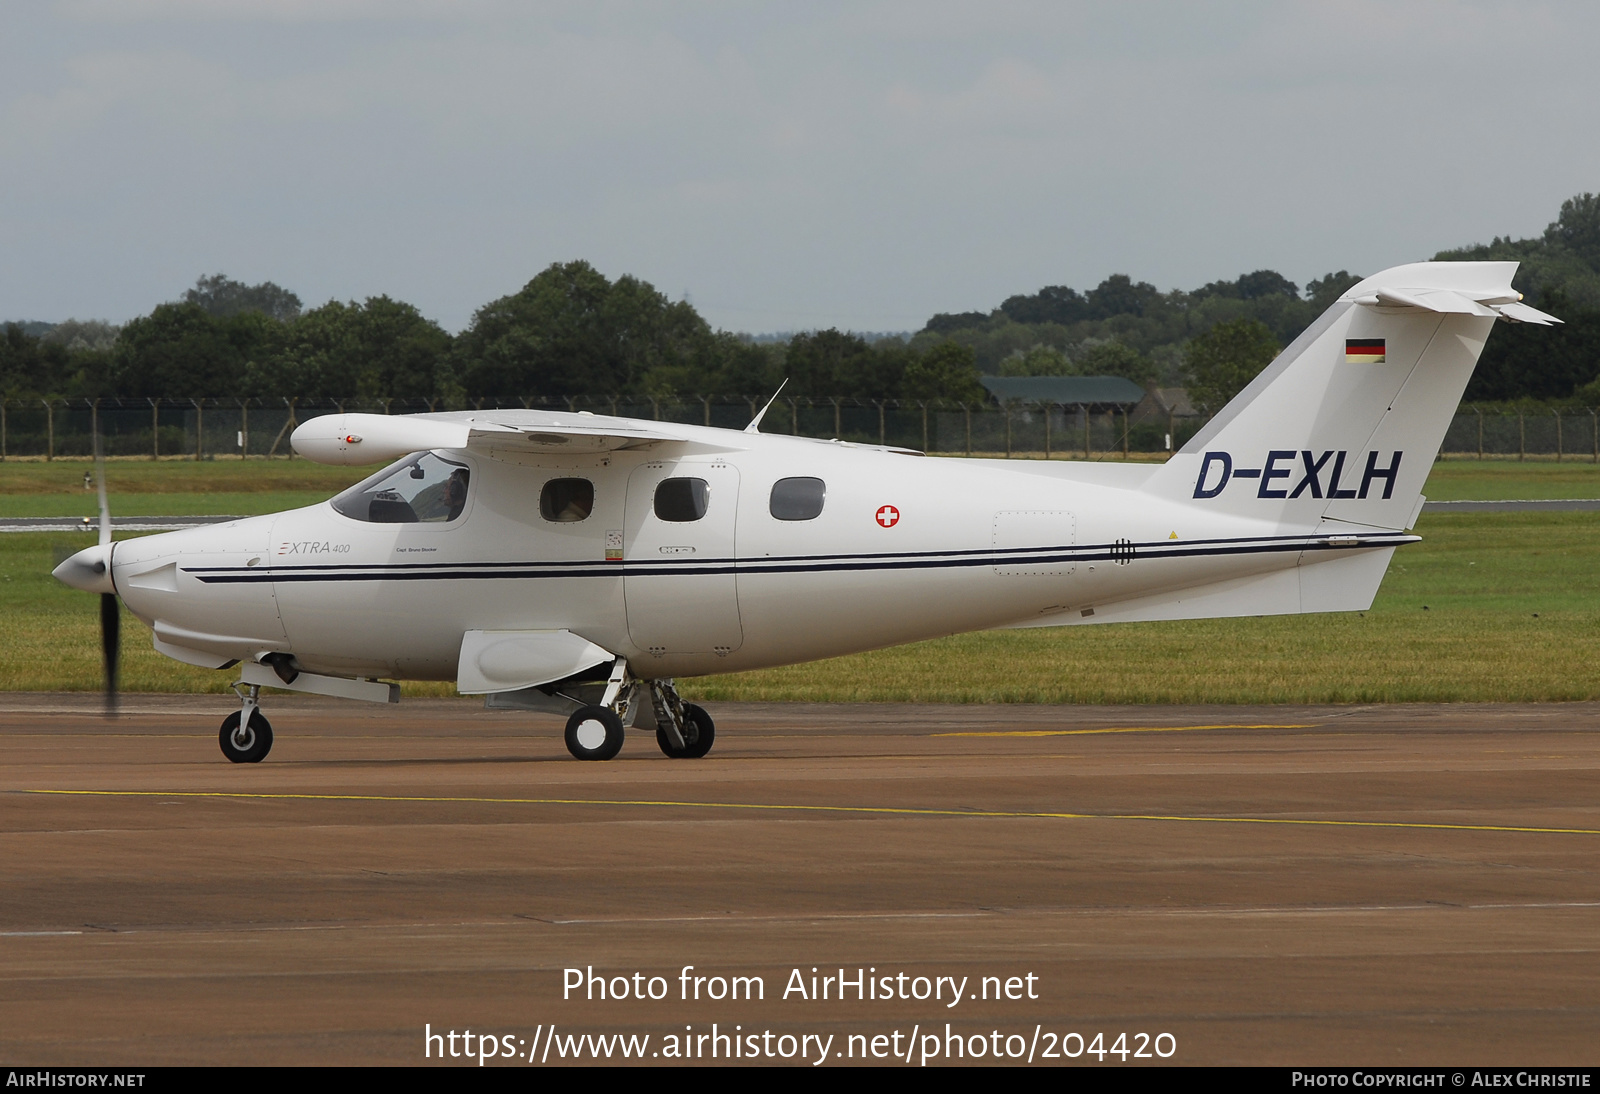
564, 501
682, 500
421, 489
797, 498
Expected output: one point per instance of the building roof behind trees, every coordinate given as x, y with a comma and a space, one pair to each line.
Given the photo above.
1064, 390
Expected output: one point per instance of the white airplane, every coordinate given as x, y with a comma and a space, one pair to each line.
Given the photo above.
578, 564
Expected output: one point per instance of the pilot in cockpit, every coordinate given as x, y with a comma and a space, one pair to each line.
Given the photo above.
443, 501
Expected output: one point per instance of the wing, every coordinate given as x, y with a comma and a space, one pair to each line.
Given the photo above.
354, 439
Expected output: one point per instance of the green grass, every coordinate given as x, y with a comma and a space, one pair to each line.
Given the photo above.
143, 488
1496, 480
1489, 607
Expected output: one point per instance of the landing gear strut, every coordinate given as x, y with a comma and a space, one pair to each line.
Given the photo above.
246, 735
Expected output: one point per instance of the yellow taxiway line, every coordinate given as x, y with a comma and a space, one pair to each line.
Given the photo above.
858, 809
1115, 729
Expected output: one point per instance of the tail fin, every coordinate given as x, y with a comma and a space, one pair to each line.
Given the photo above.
1346, 422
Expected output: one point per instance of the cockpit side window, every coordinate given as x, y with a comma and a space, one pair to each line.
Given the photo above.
420, 489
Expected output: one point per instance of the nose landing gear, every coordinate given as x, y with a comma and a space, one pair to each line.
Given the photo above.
246, 735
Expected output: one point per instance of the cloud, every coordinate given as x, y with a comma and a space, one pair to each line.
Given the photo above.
893, 156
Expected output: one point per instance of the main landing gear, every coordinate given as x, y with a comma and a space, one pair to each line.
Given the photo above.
684, 731
594, 733
246, 735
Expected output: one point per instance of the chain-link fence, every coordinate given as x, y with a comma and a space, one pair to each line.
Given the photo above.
260, 428
1564, 433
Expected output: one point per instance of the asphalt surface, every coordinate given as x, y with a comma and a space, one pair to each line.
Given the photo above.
1346, 885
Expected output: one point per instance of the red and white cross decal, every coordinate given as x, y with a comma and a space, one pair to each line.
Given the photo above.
888, 515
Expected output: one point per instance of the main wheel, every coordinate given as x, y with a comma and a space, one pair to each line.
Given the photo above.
249, 745
594, 733
702, 732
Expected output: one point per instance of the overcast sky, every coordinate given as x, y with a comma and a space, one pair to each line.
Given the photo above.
861, 165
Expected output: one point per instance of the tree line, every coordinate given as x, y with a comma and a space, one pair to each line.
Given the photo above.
1214, 339
571, 331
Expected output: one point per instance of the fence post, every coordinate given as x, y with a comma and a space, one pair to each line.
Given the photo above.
155, 428
2, 430
924, 404
883, 427
244, 427
1046, 408
1479, 410
1124, 432
50, 431
967, 412
1008, 429
1557, 413
289, 421
94, 427
706, 399
837, 427
794, 417
1522, 436
1088, 454
1594, 432
199, 429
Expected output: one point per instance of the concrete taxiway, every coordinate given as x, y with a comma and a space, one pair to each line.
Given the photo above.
1330, 885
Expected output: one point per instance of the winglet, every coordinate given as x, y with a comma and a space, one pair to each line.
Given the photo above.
755, 423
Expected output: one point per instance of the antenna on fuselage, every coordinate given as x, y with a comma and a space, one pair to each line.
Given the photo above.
755, 423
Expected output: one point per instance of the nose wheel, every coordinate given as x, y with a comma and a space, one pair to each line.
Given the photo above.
246, 735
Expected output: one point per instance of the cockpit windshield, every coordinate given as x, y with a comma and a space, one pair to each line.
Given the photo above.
424, 488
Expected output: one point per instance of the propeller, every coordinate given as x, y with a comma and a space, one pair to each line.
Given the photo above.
90, 570
110, 609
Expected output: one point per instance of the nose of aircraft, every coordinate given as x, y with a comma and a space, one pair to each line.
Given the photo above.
89, 570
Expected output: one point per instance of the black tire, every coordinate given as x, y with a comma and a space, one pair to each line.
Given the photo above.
704, 732
252, 746
594, 733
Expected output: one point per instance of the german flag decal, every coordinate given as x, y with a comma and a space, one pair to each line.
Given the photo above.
1363, 351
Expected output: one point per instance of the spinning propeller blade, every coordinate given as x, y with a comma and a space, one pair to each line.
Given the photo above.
110, 634
110, 610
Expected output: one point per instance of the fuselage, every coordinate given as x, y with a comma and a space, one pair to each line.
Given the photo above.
903, 548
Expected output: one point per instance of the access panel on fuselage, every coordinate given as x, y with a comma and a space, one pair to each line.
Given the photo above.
678, 574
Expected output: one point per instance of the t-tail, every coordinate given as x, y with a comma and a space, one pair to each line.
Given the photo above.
1345, 423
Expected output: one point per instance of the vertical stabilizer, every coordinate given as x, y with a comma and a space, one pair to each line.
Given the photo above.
1346, 422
